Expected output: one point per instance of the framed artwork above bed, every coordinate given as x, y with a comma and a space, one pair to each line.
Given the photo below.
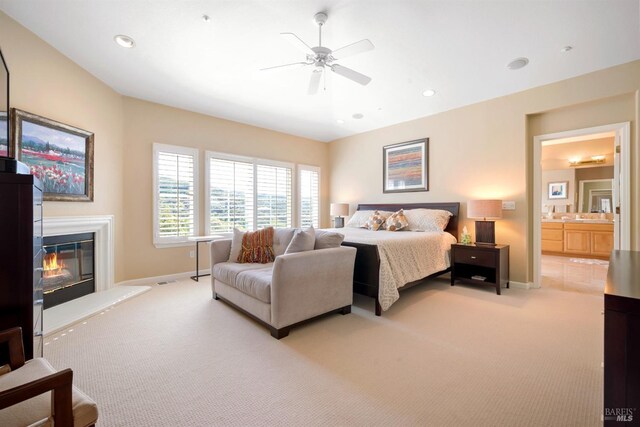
406, 166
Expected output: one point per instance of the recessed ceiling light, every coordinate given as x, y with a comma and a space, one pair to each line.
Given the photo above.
340, 121
517, 63
124, 41
358, 116
429, 92
566, 49
206, 18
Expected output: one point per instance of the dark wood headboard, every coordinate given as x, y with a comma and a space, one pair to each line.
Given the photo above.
453, 207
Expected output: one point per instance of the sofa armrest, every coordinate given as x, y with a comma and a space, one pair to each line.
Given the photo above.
220, 251
13, 337
60, 383
307, 284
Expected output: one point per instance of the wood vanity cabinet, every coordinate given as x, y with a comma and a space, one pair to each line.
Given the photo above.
574, 238
552, 237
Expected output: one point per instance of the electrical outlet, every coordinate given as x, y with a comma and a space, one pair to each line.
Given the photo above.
508, 205
192, 254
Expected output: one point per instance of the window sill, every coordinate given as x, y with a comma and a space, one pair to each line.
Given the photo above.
163, 245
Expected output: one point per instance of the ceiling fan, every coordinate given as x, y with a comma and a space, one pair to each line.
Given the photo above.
322, 57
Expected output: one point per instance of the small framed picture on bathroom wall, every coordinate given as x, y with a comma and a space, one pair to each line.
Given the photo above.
558, 190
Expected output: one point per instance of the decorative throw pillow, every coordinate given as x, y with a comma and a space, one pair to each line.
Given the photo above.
427, 219
328, 239
359, 219
257, 246
303, 240
236, 245
397, 221
376, 221
281, 239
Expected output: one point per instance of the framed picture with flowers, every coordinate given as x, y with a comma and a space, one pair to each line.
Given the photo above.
61, 156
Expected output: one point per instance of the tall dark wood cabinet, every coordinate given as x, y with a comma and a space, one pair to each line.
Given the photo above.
21, 258
622, 340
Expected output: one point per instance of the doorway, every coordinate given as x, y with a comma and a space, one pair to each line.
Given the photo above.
581, 193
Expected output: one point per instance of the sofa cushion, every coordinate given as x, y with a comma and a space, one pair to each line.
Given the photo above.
251, 279
281, 239
303, 240
85, 410
257, 246
328, 239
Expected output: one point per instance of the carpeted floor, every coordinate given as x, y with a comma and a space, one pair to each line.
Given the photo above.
441, 356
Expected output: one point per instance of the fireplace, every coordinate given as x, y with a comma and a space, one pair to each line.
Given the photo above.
68, 268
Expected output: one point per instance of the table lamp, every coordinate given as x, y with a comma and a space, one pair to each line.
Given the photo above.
485, 212
339, 210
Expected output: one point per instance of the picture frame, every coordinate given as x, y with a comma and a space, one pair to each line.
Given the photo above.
558, 190
60, 155
406, 166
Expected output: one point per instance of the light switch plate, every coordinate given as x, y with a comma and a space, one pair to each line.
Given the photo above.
508, 205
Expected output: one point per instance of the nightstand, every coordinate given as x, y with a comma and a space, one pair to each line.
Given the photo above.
479, 264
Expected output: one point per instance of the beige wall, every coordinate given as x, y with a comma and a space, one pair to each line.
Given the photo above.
47, 83
484, 150
146, 123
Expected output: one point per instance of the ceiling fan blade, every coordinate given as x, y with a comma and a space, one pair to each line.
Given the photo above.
286, 65
314, 82
353, 49
298, 43
351, 74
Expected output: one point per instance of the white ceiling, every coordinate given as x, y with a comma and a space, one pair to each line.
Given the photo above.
458, 48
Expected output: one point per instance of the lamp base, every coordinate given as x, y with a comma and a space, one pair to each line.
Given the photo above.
486, 233
338, 222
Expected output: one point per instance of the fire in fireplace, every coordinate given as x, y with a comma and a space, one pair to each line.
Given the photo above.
68, 266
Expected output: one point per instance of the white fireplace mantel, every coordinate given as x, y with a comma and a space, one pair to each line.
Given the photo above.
102, 227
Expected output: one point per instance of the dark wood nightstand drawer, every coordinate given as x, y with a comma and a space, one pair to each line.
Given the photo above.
475, 257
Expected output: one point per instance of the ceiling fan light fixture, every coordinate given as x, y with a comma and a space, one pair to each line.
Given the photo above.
429, 92
124, 41
206, 18
518, 63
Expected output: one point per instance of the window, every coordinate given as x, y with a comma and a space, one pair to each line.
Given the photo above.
175, 181
230, 195
309, 196
247, 193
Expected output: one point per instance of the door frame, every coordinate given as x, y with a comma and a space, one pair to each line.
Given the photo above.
622, 187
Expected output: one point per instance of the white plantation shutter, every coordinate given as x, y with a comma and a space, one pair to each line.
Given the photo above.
247, 193
230, 194
309, 197
176, 192
273, 196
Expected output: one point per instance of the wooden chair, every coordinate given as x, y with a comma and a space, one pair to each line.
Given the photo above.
22, 399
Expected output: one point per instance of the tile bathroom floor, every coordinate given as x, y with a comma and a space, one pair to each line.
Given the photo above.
574, 274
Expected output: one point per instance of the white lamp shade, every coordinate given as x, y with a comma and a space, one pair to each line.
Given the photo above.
484, 209
339, 209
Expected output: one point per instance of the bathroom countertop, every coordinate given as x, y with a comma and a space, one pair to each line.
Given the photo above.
579, 220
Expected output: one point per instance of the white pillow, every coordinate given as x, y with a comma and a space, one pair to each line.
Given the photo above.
427, 219
328, 239
281, 239
303, 240
359, 218
236, 245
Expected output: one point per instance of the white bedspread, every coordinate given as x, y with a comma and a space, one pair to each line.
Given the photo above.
405, 256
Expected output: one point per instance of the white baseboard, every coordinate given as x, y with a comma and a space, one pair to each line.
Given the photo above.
166, 278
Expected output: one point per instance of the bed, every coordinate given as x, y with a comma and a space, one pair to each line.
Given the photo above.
367, 273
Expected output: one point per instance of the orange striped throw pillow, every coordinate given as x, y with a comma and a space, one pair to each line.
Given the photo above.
257, 246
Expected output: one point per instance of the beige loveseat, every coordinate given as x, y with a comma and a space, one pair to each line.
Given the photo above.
294, 288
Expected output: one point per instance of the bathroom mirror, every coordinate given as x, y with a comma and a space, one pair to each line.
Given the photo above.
595, 195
